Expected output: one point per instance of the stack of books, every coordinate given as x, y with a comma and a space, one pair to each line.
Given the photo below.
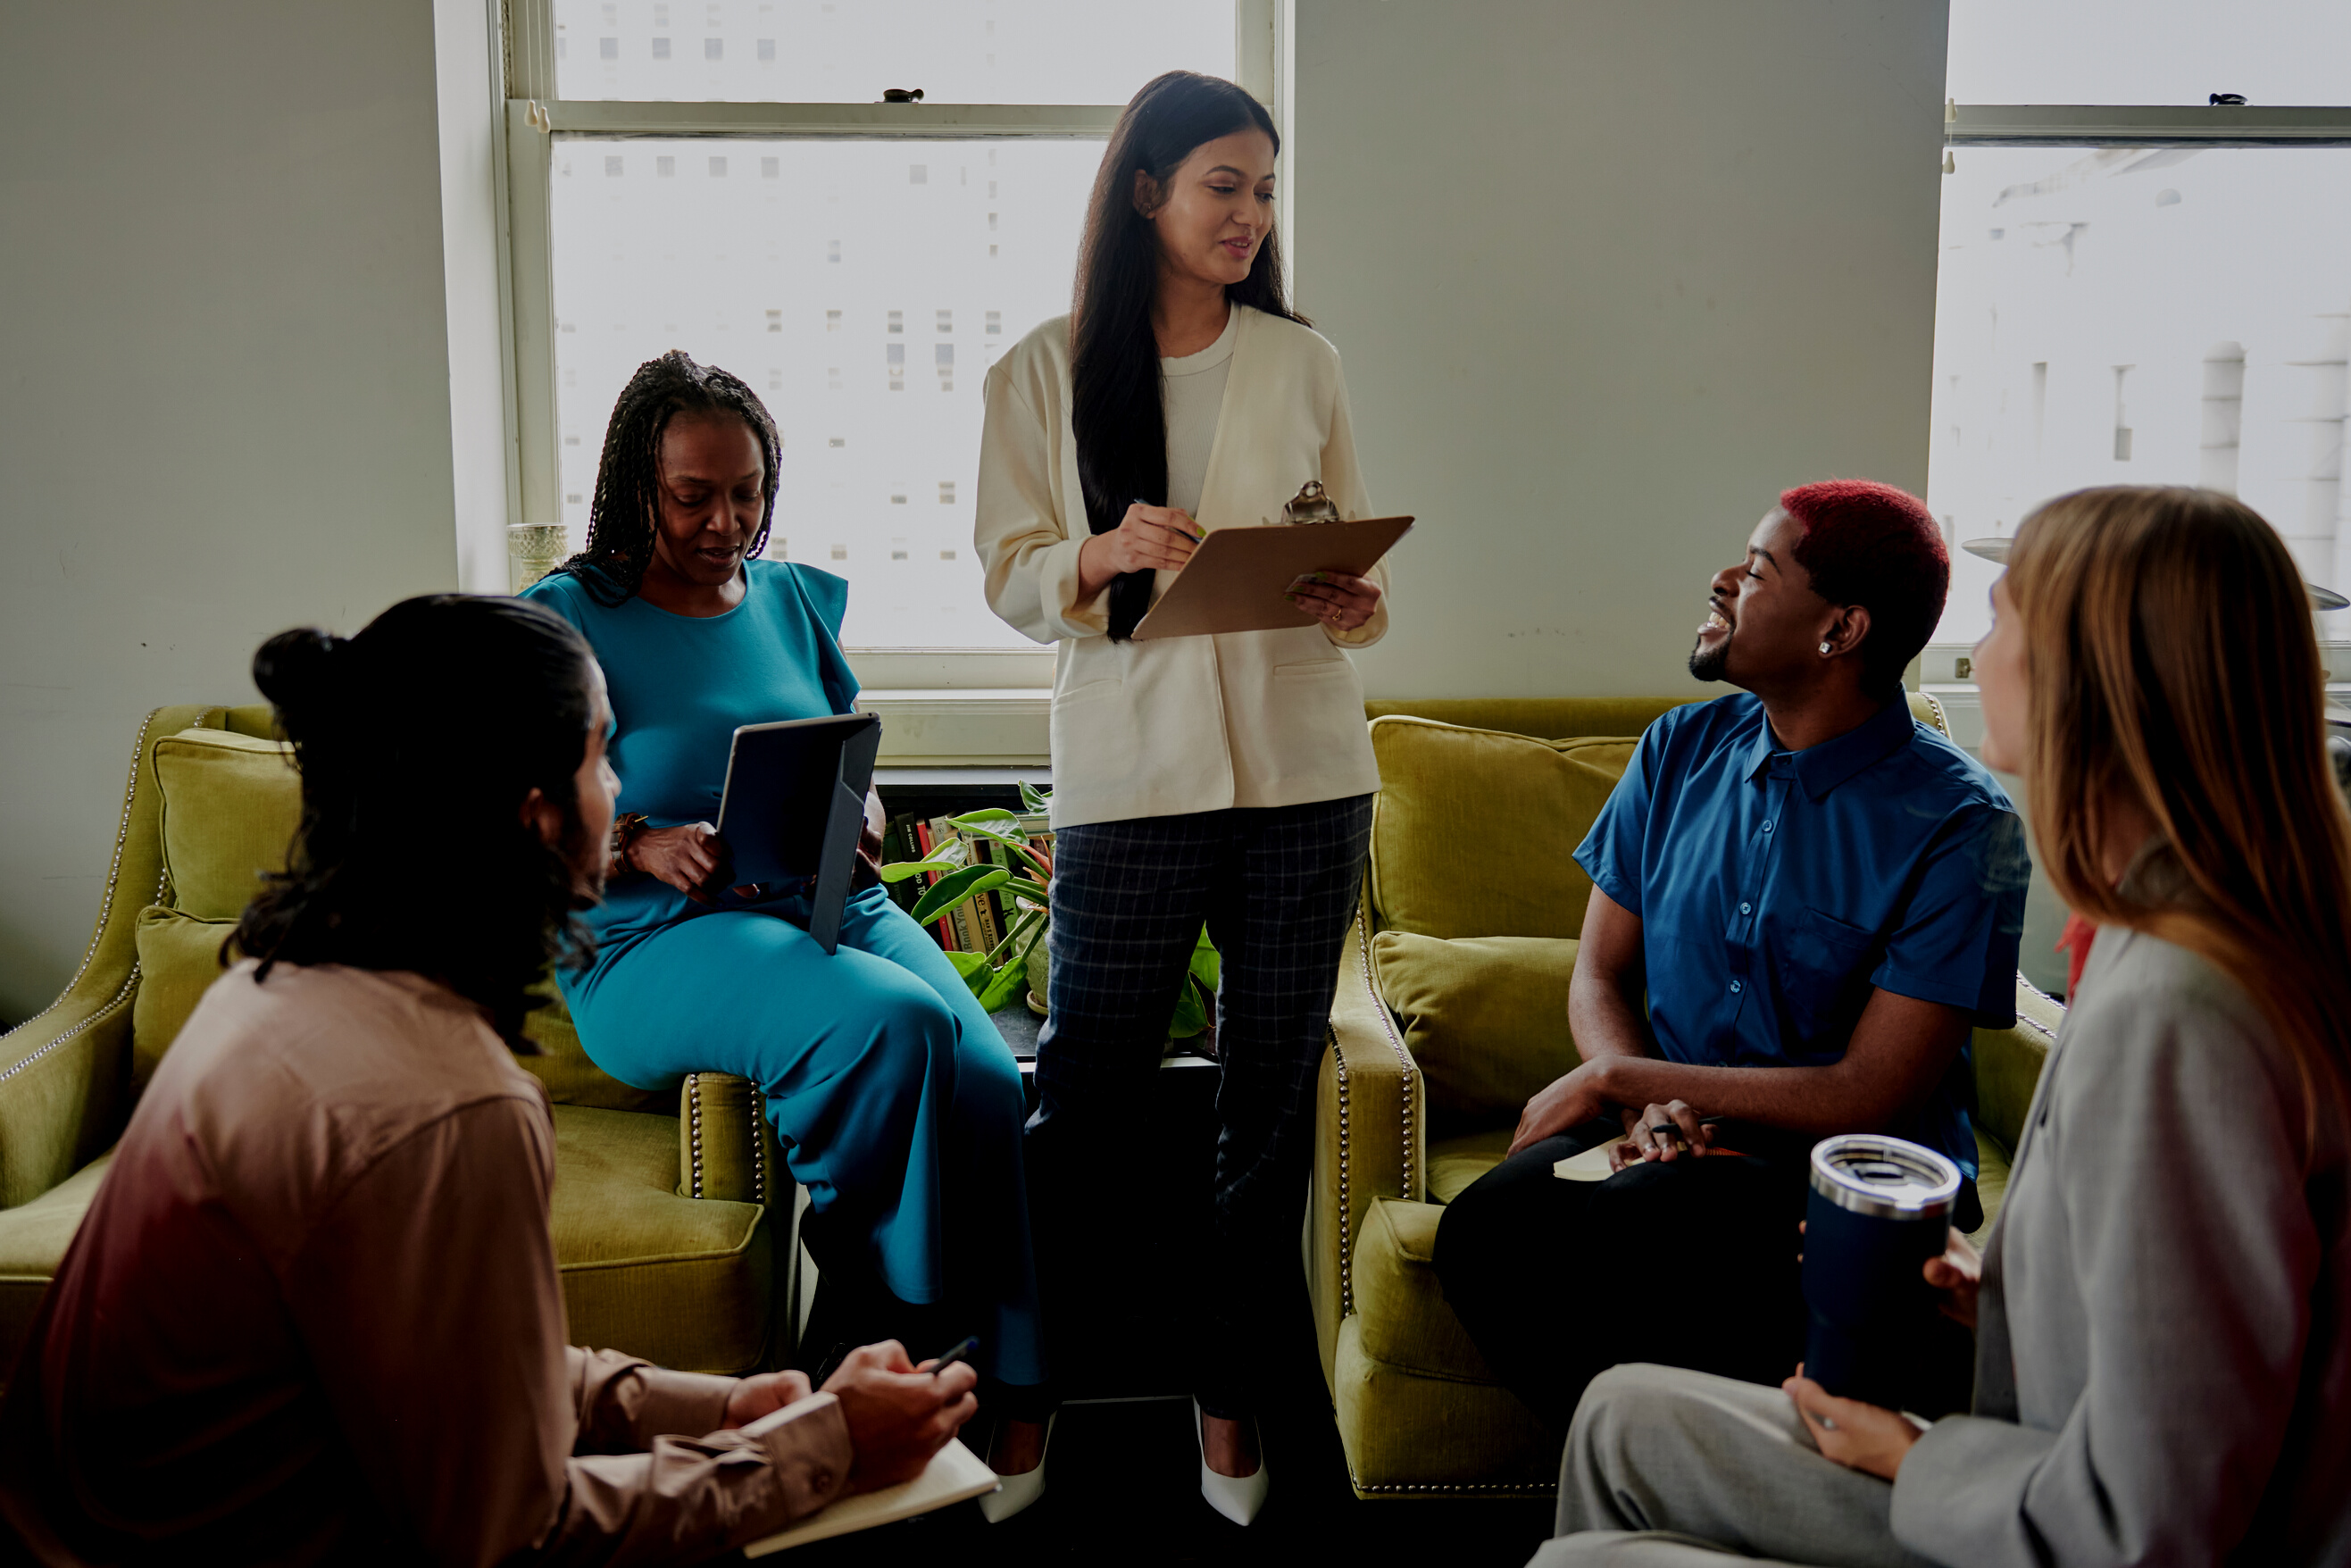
977, 925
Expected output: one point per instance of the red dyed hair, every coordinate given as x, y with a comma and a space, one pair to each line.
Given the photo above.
1871, 545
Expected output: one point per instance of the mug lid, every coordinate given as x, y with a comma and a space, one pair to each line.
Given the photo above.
1890, 1178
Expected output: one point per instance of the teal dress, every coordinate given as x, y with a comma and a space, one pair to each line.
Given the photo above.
897, 1103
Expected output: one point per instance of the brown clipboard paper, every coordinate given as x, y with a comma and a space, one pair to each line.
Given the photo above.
1235, 580
954, 1474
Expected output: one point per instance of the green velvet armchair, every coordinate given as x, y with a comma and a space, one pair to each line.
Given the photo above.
1440, 1031
672, 1210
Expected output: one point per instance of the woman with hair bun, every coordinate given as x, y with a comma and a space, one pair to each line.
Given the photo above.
2163, 1354
312, 1315
1224, 780
897, 1103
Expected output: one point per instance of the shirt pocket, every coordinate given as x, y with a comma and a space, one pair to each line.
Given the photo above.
1824, 976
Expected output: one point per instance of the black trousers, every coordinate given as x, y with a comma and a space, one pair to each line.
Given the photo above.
1695, 1262
1276, 887
1692, 1263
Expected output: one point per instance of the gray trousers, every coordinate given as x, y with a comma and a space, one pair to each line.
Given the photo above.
1671, 1469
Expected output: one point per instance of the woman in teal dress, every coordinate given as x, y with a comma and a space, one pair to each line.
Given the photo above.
897, 1103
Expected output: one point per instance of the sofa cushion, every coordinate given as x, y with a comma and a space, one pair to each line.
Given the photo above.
1475, 831
2007, 1064
1406, 1322
1485, 1016
179, 959
231, 803
1452, 1163
683, 1283
33, 1241
572, 1077
1407, 1434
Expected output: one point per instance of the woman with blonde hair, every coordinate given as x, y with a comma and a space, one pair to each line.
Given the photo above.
2163, 1354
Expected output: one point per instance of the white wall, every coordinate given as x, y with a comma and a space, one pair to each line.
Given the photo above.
225, 408
1608, 276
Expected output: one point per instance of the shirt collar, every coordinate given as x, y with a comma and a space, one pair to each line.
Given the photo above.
1820, 768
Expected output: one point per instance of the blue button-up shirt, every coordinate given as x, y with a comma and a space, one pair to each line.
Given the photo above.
1776, 889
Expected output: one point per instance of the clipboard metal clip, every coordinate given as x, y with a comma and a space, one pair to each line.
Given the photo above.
1310, 505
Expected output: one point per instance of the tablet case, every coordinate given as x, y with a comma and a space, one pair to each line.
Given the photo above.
794, 804
1235, 580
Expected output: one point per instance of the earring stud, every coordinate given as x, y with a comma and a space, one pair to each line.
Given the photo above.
1824, 647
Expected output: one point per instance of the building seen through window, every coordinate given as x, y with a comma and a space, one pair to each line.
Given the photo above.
864, 287
742, 274
2142, 316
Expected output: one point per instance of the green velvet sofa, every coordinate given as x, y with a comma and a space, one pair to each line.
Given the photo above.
1451, 1009
672, 1210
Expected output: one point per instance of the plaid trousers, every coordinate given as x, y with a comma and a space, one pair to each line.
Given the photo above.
1276, 887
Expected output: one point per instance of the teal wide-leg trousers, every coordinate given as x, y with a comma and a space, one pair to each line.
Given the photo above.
897, 1103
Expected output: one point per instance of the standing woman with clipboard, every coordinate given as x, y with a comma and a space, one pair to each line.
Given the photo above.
1225, 779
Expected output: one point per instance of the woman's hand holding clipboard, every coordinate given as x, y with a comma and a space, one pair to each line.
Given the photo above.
1241, 579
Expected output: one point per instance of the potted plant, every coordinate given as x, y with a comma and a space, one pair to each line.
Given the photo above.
1022, 876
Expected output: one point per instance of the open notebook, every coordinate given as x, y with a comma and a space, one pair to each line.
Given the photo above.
954, 1474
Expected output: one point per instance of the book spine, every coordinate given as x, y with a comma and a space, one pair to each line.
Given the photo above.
985, 909
940, 928
967, 934
898, 843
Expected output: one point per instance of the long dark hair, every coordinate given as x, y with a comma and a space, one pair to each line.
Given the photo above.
418, 741
1116, 411
625, 512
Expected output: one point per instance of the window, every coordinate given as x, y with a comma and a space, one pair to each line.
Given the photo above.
2139, 294
863, 234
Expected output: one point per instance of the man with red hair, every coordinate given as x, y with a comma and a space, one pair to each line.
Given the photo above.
1802, 902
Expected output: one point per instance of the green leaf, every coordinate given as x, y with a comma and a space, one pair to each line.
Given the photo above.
1191, 1017
991, 814
899, 870
1206, 963
1032, 891
1006, 988
1036, 800
956, 886
967, 964
1018, 846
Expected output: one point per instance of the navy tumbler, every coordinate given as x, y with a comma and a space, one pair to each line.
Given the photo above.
1880, 1207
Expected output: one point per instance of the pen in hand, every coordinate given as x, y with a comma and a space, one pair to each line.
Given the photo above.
1196, 539
970, 1342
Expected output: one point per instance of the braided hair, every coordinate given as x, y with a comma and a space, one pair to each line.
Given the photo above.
625, 516
511, 688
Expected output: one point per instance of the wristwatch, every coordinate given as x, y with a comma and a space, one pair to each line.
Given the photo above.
625, 828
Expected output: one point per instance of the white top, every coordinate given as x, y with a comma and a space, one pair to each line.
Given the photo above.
1192, 391
1177, 725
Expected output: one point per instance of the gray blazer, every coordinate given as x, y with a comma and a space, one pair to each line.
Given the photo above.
2163, 1359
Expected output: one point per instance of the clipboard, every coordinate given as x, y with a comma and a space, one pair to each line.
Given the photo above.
1235, 580
794, 803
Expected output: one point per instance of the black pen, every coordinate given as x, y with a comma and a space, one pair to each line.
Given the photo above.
1196, 539
970, 1344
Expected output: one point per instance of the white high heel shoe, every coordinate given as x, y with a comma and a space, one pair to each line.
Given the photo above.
1238, 1498
1014, 1493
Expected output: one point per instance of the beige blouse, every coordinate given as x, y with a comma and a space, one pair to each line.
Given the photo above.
313, 1316
1179, 725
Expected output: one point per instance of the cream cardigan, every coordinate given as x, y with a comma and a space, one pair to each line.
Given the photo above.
1165, 727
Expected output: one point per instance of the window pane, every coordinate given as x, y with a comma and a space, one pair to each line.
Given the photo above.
847, 51
2135, 315
863, 290
2274, 52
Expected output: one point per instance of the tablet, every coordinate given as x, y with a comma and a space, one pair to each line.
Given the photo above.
794, 804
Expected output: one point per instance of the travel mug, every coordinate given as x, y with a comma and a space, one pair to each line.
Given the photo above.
1880, 1207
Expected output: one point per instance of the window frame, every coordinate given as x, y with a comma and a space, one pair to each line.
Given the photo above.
1001, 680
1937, 667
